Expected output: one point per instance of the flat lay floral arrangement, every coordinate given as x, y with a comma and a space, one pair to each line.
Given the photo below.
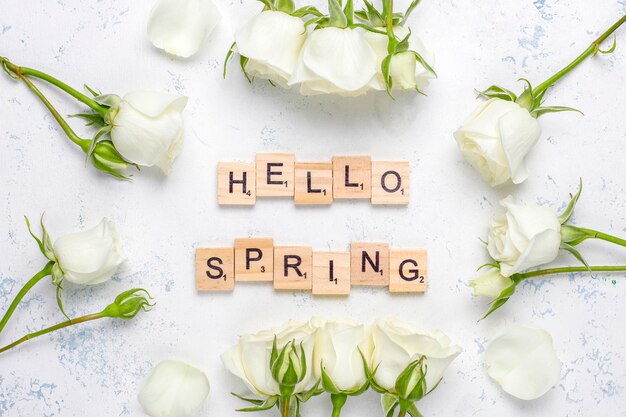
110, 311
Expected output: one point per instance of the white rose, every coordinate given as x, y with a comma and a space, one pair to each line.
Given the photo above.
174, 389
272, 42
406, 73
491, 284
180, 27
147, 128
90, 257
524, 237
396, 345
250, 358
496, 138
523, 362
335, 60
338, 348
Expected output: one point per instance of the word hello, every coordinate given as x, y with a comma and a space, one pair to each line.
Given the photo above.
301, 268
346, 177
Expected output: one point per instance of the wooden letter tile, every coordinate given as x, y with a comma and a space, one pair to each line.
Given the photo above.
274, 174
369, 264
293, 267
390, 182
314, 183
254, 259
352, 177
331, 273
409, 270
236, 183
215, 269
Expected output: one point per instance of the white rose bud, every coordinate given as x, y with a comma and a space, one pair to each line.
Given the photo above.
524, 237
147, 127
180, 27
396, 345
271, 41
250, 358
174, 389
90, 257
406, 73
491, 284
335, 60
496, 138
340, 347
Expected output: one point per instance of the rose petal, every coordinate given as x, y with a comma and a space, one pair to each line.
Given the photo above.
180, 27
174, 389
519, 132
523, 362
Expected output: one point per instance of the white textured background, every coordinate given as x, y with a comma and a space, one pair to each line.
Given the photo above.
97, 369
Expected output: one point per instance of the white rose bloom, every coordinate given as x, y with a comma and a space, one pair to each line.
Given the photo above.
90, 257
174, 389
272, 42
338, 61
405, 71
180, 27
147, 128
491, 284
338, 348
250, 358
524, 237
496, 138
523, 362
396, 345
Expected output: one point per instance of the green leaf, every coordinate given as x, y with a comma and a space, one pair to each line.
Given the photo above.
92, 91
569, 248
348, 11
261, 406
496, 91
389, 402
327, 382
250, 400
425, 64
229, 55
307, 11
285, 6
337, 16
91, 118
59, 294
540, 111
243, 61
501, 299
39, 242
569, 211
413, 411
409, 10
386, 67
608, 51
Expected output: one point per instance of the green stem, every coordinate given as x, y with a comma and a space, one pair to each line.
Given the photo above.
285, 407
47, 270
338, 400
83, 143
564, 270
594, 234
19, 71
388, 13
68, 323
402, 413
592, 49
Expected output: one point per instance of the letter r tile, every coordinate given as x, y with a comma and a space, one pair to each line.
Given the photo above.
293, 267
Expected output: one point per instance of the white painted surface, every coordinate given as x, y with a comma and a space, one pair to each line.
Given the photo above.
96, 369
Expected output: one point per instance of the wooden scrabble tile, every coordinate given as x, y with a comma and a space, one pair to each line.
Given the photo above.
215, 269
390, 182
369, 264
254, 259
275, 174
352, 177
331, 273
236, 183
293, 267
408, 270
313, 183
